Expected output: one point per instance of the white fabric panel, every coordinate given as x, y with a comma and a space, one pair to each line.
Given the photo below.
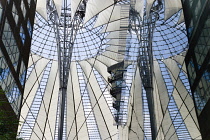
58, 5
188, 101
37, 71
117, 49
139, 7
112, 49
25, 108
168, 128
35, 20
54, 100
189, 119
180, 60
174, 73
114, 55
123, 131
96, 6
181, 17
74, 6
100, 67
47, 113
74, 105
164, 99
99, 118
41, 8
132, 2
172, 7
172, 66
105, 60
102, 112
181, 95
118, 42
115, 35
158, 110
136, 125
33, 58
35, 137
72, 89
52, 89
149, 4
115, 26
163, 119
184, 53
111, 14
39, 128
113, 41
31, 87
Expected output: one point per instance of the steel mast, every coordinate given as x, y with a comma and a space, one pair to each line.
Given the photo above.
145, 60
65, 27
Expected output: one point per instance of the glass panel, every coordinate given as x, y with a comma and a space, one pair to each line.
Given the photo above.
10, 44
15, 13
1, 10
22, 73
23, 8
29, 27
22, 35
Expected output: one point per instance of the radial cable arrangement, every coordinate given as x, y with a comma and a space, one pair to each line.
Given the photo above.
109, 69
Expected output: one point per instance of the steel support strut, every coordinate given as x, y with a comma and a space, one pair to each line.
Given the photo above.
65, 29
145, 61
146, 70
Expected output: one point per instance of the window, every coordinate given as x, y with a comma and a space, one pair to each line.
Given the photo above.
1, 11
22, 35
29, 27
23, 8
15, 13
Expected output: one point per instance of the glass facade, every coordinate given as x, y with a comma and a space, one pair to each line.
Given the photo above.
202, 60
1, 10
197, 60
192, 16
16, 26
198, 56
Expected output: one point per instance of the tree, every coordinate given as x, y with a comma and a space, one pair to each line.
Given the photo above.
8, 119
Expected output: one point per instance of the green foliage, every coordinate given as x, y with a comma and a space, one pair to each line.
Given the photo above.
8, 124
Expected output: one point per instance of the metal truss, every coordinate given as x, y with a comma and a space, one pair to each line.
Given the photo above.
145, 60
66, 28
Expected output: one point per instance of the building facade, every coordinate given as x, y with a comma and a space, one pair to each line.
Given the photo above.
16, 24
197, 60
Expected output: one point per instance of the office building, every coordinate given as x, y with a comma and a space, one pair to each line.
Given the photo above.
16, 25
197, 20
